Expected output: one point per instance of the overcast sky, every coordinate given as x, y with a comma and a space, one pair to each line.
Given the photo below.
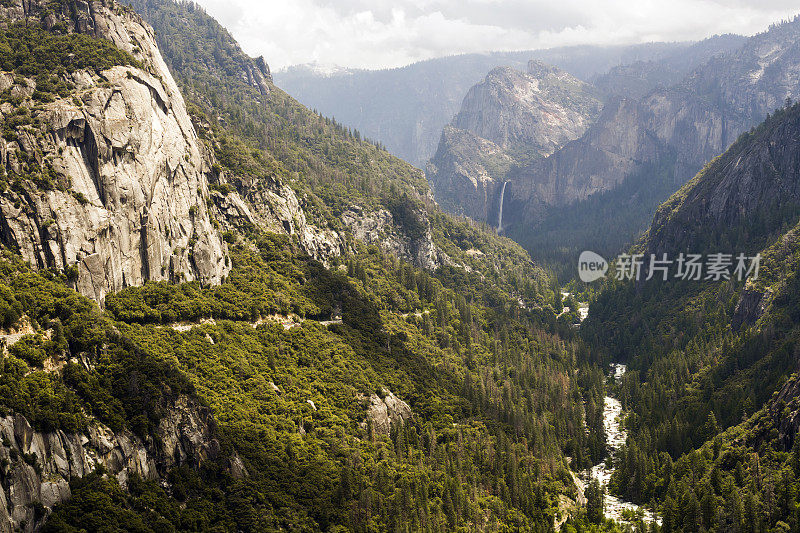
383, 33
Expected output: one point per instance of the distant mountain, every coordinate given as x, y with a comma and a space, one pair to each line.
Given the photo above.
649, 147
635, 80
406, 108
508, 120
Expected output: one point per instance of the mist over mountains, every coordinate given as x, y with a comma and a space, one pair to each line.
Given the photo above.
406, 108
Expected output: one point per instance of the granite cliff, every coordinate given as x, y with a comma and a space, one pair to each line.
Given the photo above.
132, 173
508, 120
37, 466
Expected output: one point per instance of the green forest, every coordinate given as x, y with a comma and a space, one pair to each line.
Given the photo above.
501, 391
494, 382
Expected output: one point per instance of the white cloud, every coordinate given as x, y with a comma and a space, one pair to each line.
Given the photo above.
380, 33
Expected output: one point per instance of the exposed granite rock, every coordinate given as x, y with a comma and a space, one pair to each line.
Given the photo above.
271, 205
535, 111
608, 151
384, 412
785, 412
780, 414
507, 120
131, 205
37, 466
260, 76
750, 307
466, 172
380, 228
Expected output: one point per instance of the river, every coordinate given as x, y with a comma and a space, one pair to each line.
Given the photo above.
615, 438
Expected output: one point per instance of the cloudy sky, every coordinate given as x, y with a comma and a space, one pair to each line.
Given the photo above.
383, 33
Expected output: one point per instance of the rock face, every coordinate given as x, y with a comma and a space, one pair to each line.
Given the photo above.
757, 178
466, 172
781, 414
531, 112
386, 411
133, 203
609, 151
690, 122
37, 466
749, 308
273, 206
785, 412
507, 120
380, 228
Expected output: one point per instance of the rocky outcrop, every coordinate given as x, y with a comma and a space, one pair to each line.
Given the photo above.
380, 228
533, 112
37, 466
750, 307
507, 120
784, 410
385, 411
260, 76
778, 421
466, 171
273, 206
130, 204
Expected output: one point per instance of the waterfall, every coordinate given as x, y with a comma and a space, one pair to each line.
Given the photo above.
500, 210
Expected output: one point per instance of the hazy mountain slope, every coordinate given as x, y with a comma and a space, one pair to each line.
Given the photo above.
507, 120
406, 108
682, 126
705, 355
637, 79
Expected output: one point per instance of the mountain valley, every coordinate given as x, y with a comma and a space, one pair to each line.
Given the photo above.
221, 310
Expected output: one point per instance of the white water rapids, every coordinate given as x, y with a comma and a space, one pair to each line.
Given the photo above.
615, 438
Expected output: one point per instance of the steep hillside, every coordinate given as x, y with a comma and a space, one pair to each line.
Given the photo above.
707, 355
506, 121
366, 362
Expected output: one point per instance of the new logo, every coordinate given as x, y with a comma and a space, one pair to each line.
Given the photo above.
591, 266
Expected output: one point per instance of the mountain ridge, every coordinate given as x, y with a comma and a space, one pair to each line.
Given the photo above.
505, 121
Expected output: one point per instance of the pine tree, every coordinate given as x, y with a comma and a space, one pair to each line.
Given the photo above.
594, 502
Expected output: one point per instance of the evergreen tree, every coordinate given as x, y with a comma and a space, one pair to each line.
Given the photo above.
595, 496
